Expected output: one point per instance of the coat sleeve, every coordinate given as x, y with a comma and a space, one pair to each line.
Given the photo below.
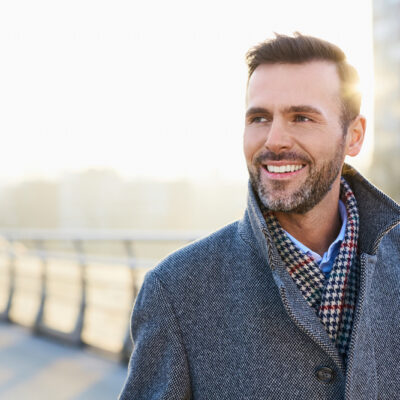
158, 367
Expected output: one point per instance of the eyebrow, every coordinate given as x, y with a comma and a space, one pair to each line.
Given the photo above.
287, 110
302, 109
257, 110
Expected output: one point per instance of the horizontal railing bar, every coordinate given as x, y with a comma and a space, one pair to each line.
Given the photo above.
106, 235
48, 255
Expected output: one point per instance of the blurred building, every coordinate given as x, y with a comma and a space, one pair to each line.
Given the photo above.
386, 162
101, 199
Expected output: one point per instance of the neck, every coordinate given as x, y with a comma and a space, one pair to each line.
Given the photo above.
317, 228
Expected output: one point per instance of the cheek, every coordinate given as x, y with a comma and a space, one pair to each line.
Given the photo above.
252, 143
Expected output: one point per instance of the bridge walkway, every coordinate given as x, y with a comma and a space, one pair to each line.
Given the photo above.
35, 367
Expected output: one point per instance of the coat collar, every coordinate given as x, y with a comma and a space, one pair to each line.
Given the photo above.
378, 214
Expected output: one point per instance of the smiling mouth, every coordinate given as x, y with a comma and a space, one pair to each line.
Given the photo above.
283, 169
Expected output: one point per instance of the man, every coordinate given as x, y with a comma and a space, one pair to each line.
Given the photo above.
301, 298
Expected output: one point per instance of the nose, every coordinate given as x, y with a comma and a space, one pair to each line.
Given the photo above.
278, 138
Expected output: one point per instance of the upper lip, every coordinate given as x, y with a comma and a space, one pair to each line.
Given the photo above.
281, 163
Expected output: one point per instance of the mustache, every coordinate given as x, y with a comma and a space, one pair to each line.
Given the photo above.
287, 156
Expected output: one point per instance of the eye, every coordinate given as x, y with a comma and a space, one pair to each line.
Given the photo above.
258, 120
301, 118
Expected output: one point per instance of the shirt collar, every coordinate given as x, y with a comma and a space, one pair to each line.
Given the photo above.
332, 248
378, 215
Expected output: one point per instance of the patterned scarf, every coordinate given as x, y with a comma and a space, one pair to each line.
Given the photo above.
334, 297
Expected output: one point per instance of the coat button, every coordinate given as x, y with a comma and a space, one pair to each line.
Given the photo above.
325, 374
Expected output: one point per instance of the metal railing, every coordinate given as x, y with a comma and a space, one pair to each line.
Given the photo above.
52, 282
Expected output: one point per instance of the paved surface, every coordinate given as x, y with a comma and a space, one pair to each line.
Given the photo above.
33, 367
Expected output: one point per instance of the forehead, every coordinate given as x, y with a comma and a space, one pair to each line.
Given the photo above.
314, 83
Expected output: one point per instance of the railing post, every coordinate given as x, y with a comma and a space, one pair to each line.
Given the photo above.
128, 345
5, 315
43, 285
77, 332
74, 337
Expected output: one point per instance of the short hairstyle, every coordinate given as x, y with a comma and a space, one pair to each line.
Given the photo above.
299, 49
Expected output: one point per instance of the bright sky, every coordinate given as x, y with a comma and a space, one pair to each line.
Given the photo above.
153, 89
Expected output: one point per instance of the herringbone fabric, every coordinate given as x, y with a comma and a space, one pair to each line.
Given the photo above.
334, 297
219, 319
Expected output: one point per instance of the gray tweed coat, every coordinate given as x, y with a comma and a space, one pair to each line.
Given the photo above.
221, 319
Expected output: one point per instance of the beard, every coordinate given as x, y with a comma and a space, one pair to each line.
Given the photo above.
318, 183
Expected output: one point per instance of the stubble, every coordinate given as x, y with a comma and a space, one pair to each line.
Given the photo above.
318, 183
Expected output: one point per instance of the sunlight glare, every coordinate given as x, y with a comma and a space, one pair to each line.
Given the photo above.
150, 89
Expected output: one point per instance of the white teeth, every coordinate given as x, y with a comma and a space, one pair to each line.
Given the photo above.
283, 168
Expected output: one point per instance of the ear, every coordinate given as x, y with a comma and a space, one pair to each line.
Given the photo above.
355, 135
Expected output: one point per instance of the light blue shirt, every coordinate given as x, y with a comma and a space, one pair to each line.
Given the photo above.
326, 261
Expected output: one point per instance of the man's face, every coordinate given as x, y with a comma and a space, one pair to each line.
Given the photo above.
293, 139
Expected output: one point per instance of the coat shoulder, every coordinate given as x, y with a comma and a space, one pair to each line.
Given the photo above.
203, 258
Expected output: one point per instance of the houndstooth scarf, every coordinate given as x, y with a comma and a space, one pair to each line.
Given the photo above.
333, 298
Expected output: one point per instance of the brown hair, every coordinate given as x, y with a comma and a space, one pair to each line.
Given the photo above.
300, 49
